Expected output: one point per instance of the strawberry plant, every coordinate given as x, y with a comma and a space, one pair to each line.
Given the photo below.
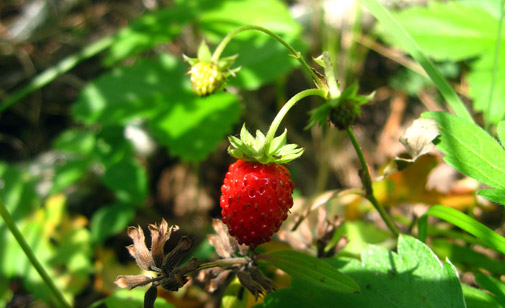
258, 153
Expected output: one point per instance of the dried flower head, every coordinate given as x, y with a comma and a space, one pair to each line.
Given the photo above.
170, 275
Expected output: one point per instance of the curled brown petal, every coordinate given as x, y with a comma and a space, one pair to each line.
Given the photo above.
141, 253
130, 282
192, 265
251, 285
159, 236
174, 257
265, 283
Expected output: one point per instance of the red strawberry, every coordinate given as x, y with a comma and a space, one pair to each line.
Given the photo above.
256, 193
255, 200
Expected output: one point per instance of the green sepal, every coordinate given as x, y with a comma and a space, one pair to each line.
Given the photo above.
349, 97
278, 142
191, 61
226, 62
256, 149
204, 54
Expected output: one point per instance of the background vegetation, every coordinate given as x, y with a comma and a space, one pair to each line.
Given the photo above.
99, 130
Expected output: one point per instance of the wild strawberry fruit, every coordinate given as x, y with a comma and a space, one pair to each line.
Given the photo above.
206, 78
208, 74
255, 200
256, 193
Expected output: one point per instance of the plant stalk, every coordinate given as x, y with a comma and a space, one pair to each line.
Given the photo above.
286, 107
31, 256
366, 179
223, 263
294, 53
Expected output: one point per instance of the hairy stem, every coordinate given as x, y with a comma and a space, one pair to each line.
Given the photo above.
9, 222
224, 263
367, 184
287, 106
294, 53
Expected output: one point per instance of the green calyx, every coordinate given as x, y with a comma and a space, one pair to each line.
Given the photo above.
341, 111
258, 149
207, 75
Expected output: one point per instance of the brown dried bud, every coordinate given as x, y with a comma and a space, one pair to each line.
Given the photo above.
159, 236
264, 282
130, 282
192, 265
246, 280
139, 250
174, 257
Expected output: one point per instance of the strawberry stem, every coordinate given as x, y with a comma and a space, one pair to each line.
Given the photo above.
294, 53
366, 179
284, 110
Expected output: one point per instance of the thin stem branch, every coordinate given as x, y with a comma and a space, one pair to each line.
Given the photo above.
286, 107
366, 179
224, 263
294, 53
9, 222
495, 62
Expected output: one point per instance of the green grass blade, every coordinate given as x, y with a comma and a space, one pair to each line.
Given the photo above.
464, 222
59, 69
390, 23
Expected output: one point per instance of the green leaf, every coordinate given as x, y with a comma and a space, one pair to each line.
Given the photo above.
235, 295
466, 257
413, 277
464, 222
192, 129
312, 270
148, 31
476, 298
17, 191
400, 34
80, 142
110, 220
137, 91
68, 173
480, 79
470, 149
157, 92
494, 195
128, 179
132, 299
262, 58
500, 130
449, 31
493, 285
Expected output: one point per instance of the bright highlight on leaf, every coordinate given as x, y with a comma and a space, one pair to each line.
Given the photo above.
312, 270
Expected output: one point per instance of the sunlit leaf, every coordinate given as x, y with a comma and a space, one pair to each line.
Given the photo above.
465, 222
449, 30
311, 270
469, 149
413, 277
